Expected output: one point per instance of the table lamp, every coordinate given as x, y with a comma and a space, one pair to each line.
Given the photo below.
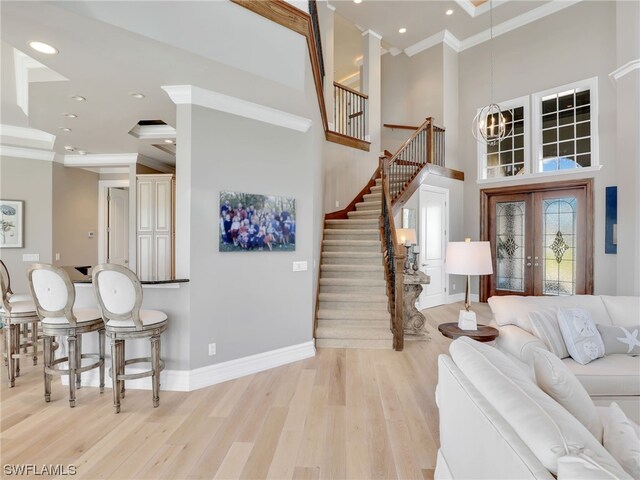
407, 237
468, 258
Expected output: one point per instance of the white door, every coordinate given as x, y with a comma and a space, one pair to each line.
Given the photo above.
118, 226
433, 225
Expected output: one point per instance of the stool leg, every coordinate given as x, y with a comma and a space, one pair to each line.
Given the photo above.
25, 334
34, 340
73, 363
122, 362
155, 365
115, 368
16, 349
79, 360
46, 345
101, 346
10, 345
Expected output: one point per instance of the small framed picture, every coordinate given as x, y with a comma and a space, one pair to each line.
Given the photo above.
11, 223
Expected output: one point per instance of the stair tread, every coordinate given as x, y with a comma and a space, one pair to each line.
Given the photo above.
347, 231
341, 314
346, 267
383, 344
342, 221
353, 254
350, 297
364, 282
345, 332
363, 243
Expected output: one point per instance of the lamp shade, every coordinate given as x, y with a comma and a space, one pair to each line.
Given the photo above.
468, 258
406, 236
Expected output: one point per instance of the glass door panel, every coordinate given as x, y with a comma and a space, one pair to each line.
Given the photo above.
510, 245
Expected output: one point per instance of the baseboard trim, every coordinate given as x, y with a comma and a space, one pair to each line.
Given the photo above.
459, 297
189, 380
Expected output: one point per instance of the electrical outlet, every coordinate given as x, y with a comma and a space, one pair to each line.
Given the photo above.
91, 234
31, 257
453, 285
212, 349
300, 266
57, 257
337, 204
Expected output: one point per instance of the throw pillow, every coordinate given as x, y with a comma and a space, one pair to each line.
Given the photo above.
620, 339
580, 334
582, 467
620, 439
544, 325
557, 381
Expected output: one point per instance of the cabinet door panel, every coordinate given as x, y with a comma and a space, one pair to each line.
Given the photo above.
163, 257
163, 206
145, 206
145, 257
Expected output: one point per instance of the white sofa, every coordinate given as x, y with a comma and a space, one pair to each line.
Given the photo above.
610, 378
495, 423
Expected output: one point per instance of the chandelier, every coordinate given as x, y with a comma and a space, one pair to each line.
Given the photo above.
489, 125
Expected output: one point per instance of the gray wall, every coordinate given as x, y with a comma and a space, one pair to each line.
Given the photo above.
578, 43
75, 214
30, 181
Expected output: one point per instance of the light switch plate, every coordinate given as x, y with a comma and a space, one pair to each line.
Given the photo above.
31, 257
300, 266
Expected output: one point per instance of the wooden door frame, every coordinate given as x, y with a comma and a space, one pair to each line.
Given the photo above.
586, 184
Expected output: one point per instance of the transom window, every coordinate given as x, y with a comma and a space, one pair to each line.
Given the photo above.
564, 127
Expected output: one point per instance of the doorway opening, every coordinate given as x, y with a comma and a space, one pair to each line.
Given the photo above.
113, 234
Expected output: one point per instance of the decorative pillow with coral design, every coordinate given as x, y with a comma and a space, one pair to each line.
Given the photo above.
580, 334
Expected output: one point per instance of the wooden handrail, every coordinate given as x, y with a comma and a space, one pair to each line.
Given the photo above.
422, 127
395, 277
351, 90
400, 127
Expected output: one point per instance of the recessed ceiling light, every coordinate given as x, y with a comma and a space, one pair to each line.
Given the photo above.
70, 115
65, 129
137, 95
357, 1
449, 12
43, 48
402, 30
81, 152
69, 148
78, 98
168, 141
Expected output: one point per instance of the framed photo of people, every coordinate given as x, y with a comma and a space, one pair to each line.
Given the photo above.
250, 222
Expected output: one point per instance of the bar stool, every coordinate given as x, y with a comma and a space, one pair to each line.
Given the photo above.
119, 295
29, 338
54, 297
14, 315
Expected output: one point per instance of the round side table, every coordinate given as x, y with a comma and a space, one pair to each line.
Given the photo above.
482, 334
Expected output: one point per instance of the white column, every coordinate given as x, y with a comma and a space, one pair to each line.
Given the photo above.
371, 86
326, 20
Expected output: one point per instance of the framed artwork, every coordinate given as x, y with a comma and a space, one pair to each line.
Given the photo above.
251, 222
11, 223
611, 220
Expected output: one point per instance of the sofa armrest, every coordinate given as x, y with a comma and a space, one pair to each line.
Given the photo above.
518, 343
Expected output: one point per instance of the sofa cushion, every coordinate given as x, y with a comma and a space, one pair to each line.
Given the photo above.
621, 441
554, 378
609, 375
580, 334
622, 310
515, 309
620, 339
544, 325
582, 467
545, 426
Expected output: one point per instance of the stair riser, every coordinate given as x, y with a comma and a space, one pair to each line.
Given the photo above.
350, 236
368, 206
373, 197
355, 323
375, 306
366, 215
357, 289
353, 275
354, 315
351, 261
352, 248
350, 343
355, 225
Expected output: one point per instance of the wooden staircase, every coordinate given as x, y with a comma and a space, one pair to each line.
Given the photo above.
360, 280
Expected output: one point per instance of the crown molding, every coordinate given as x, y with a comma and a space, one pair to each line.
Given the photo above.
372, 33
395, 51
192, 95
100, 160
31, 134
628, 67
474, 11
144, 132
23, 65
156, 164
24, 152
458, 45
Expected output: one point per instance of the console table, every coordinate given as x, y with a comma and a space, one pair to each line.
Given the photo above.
413, 320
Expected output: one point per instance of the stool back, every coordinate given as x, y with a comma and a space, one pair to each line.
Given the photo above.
119, 293
4, 273
4, 289
52, 292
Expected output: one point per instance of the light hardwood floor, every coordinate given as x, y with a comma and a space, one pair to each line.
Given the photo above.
344, 414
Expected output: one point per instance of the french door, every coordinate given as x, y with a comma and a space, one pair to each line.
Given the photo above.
541, 239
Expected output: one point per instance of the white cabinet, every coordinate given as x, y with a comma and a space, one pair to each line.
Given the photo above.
155, 227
